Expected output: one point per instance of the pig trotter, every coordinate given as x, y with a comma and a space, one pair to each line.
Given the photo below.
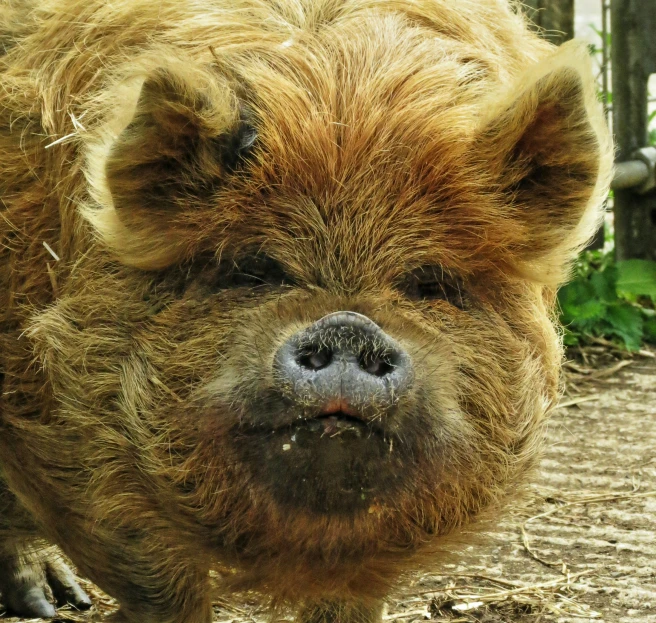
32, 579
64, 586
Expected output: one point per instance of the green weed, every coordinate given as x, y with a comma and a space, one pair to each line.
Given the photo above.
613, 300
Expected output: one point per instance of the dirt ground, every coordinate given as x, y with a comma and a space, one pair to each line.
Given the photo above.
582, 548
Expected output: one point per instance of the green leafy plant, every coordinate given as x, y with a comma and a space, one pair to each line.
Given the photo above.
613, 300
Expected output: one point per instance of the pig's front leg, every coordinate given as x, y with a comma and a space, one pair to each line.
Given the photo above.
176, 602
152, 582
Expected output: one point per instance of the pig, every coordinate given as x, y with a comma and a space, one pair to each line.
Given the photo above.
277, 291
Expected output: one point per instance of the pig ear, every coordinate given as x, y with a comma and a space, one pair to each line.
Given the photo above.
549, 153
185, 136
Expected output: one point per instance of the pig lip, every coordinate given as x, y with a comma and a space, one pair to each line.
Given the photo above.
331, 424
338, 416
337, 422
339, 408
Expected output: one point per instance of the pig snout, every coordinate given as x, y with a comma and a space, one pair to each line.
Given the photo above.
344, 362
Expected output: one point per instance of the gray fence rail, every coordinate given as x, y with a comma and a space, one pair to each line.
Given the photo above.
637, 175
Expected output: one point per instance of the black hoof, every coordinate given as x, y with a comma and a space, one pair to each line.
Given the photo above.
33, 581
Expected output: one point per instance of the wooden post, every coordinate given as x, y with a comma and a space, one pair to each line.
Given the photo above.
553, 18
633, 51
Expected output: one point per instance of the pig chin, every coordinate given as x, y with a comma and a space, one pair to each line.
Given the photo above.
331, 463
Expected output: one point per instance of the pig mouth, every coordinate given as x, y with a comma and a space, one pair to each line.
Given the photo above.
328, 462
336, 423
278, 416
320, 425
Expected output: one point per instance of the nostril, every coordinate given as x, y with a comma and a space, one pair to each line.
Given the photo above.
376, 364
315, 359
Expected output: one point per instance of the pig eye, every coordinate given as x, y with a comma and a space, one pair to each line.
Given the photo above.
253, 271
432, 283
205, 276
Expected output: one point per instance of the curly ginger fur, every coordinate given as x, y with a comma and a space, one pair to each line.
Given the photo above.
391, 135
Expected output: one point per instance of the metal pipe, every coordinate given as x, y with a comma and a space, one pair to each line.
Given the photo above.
630, 174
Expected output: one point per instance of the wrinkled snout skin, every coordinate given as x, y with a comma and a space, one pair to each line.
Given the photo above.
276, 288
344, 361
